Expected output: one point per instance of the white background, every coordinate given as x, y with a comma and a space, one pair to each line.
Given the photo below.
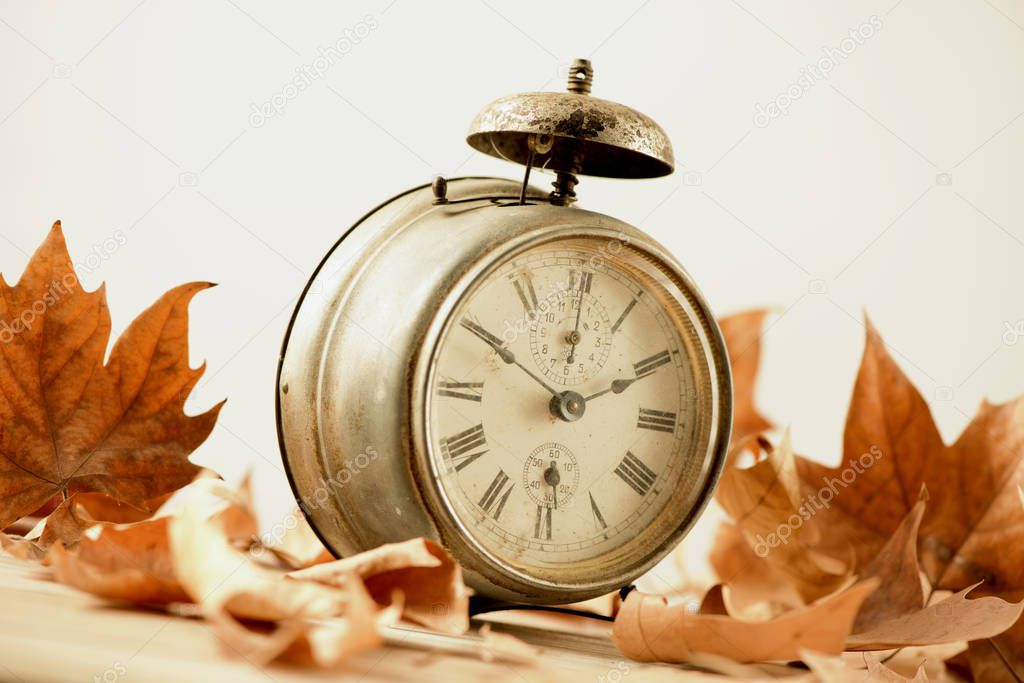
136, 117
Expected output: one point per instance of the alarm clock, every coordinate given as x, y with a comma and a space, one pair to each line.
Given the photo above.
539, 388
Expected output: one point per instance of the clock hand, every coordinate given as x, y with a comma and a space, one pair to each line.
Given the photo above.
506, 355
618, 386
574, 336
553, 478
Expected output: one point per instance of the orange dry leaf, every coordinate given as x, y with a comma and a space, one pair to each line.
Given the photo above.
952, 620
130, 562
297, 546
896, 567
421, 571
972, 528
742, 333
261, 613
835, 670
765, 502
648, 629
756, 587
69, 423
895, 615
133, 561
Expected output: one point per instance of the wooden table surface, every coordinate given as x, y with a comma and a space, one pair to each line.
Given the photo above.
50, 632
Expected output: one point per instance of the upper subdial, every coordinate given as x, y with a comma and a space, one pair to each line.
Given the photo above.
571, 341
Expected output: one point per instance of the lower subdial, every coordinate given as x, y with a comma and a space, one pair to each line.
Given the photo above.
571, 341
551, 475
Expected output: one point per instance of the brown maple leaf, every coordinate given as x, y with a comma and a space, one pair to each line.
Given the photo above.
70, 423
973, 528
742, 333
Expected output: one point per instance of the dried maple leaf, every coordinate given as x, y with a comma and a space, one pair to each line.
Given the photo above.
69, 422
973, 529
649, 628
742, 333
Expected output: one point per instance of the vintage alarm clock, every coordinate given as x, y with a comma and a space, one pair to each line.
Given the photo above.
539, 388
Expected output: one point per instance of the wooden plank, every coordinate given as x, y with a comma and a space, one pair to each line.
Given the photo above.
51, 632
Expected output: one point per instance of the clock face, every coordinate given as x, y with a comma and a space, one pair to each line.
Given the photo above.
563, 417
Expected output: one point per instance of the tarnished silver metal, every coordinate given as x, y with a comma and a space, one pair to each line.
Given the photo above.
590, 136
352, 395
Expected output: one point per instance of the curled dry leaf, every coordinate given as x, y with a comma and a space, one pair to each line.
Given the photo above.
133, 561
742, 333
714, 601
71, 423
765, 502
298, 546
261, 613
426, 576
213, 498
649, 628
128, 562
21, 548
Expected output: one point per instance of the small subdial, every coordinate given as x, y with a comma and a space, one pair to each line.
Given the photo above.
571, 340
551, 475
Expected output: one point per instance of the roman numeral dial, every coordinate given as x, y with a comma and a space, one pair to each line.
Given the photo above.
560, 425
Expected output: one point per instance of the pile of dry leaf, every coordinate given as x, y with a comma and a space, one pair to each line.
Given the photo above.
907, 542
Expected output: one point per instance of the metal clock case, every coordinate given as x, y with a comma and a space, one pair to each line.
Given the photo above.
453, 370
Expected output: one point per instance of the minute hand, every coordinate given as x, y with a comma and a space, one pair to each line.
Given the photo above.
503, 353
618, 386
